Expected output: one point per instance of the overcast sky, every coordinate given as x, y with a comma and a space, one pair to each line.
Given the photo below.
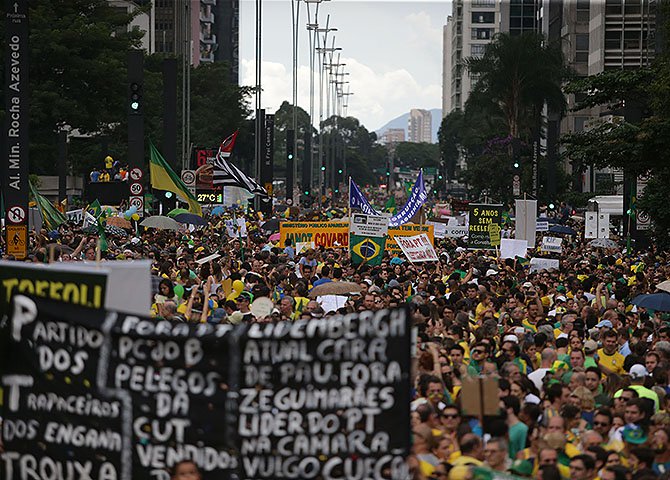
392, 51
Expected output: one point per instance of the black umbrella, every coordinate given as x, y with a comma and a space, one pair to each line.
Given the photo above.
562, 229
271, 225
190, 218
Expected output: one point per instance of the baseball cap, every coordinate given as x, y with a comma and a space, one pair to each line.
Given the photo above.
522, 467
527, 285
511, 338
633, 434
561, 298
638, 371
394, 283
245, 295
490, 272
604, 323
590, 346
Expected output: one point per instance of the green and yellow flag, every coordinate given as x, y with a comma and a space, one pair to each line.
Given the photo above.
53, 217
164, 178
366, 249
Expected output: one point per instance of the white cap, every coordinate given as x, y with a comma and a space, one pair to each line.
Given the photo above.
561, 298
490, 272
638, 371
510, 338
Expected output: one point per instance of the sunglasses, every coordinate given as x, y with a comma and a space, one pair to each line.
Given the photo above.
450, 415
600, 424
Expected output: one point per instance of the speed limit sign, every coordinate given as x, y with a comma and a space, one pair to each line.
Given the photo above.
136, 188
137, 202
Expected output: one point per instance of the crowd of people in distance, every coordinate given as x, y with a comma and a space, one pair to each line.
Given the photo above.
581, 372
113, 171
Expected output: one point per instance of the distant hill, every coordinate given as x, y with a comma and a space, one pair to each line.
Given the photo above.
401, 122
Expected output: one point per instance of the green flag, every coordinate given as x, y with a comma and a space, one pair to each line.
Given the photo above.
95, 209
51, 215
366, 249
390, 206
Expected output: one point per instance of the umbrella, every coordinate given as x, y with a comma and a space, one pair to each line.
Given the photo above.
109, 230
603, 243
218, 210
60, 248
653, 301
274, 237
665, 286
119, 222
335, 288
562, 229
190, 218
160, 222
271, 225
173, 213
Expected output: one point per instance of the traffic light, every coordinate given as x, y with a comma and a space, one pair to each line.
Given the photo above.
290, 144
135, 98
339, 171
516, 164
323, 168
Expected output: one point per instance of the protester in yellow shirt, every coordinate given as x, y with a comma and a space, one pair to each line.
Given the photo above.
609, 358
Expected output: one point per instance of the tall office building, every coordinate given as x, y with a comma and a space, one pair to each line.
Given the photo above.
469, 29
228, 34
203, 30
393, 135
519, 16
623, 34
420, 126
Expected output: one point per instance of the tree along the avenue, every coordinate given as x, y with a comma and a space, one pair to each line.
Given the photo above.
78, 79
516, 77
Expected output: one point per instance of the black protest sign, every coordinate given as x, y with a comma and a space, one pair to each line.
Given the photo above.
78, 287
56, 423
90, 394
116, 397
481, 216
175, 375
326, 398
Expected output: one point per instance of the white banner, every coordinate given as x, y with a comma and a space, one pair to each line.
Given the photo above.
537, 264
417, 248
603, 225
591, 225
237, 228
439, 229
456, 231
525, 219
510, 248
552, 244
542, 225
369, 225
75, 216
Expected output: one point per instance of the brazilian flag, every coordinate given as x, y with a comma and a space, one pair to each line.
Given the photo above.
366, 249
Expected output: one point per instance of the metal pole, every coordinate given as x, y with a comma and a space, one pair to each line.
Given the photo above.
257, 124
295, 16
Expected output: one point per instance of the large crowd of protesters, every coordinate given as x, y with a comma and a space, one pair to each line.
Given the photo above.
582, 374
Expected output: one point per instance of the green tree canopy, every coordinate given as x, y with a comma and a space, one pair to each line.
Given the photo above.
517, 75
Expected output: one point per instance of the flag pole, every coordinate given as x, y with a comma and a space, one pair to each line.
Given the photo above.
349, 200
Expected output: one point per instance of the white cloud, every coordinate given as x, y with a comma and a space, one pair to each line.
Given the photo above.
421, 32
377, 96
